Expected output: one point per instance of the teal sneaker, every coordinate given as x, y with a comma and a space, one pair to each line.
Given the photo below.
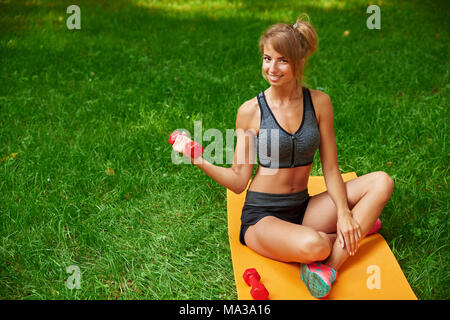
318, 278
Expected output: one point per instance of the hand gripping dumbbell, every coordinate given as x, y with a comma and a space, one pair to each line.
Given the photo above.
192, 148
259, 291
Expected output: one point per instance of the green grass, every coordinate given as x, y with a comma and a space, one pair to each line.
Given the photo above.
75, 103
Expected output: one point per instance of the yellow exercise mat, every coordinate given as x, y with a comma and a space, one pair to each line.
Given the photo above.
373, 273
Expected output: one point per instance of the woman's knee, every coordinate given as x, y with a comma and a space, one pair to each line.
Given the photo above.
315, 246
384, 184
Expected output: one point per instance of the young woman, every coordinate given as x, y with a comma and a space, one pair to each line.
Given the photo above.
288, 123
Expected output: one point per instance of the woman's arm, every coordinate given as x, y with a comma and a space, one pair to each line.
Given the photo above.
328, 155
237, 177
348, 231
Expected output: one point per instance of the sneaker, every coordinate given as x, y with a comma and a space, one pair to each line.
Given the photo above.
375, 228
318, 278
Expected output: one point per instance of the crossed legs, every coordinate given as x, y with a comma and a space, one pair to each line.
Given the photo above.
314, 240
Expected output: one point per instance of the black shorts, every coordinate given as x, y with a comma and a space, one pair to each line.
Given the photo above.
290, 207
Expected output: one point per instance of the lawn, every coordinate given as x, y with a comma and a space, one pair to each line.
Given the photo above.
86, 174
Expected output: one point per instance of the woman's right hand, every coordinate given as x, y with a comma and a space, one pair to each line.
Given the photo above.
180, 144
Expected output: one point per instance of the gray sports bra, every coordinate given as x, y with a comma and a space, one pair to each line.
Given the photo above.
277, 148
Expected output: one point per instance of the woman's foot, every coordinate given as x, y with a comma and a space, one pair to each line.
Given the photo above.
375, 228
318, 278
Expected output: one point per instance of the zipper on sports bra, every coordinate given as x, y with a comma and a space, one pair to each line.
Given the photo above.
292, 151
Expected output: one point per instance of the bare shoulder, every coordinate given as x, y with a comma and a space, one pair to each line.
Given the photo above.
248, 115
322, 103
249, 108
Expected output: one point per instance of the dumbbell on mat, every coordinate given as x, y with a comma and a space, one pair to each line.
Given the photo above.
258, 291
192, 148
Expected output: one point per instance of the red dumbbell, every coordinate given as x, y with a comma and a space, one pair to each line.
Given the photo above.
252, 278
192, 148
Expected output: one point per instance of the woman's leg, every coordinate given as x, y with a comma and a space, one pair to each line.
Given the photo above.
288, 242
367, 195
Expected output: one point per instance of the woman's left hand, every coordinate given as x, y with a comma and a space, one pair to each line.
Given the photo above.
348, 232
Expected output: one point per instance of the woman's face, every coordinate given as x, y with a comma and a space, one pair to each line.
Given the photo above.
278, 69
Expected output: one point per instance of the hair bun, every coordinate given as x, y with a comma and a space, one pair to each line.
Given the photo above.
303, 25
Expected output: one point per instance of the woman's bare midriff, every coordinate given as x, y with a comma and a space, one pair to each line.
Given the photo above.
282, 181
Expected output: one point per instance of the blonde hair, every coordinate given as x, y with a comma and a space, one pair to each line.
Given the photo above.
294, 43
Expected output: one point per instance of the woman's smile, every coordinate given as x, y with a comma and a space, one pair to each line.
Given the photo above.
274, 77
